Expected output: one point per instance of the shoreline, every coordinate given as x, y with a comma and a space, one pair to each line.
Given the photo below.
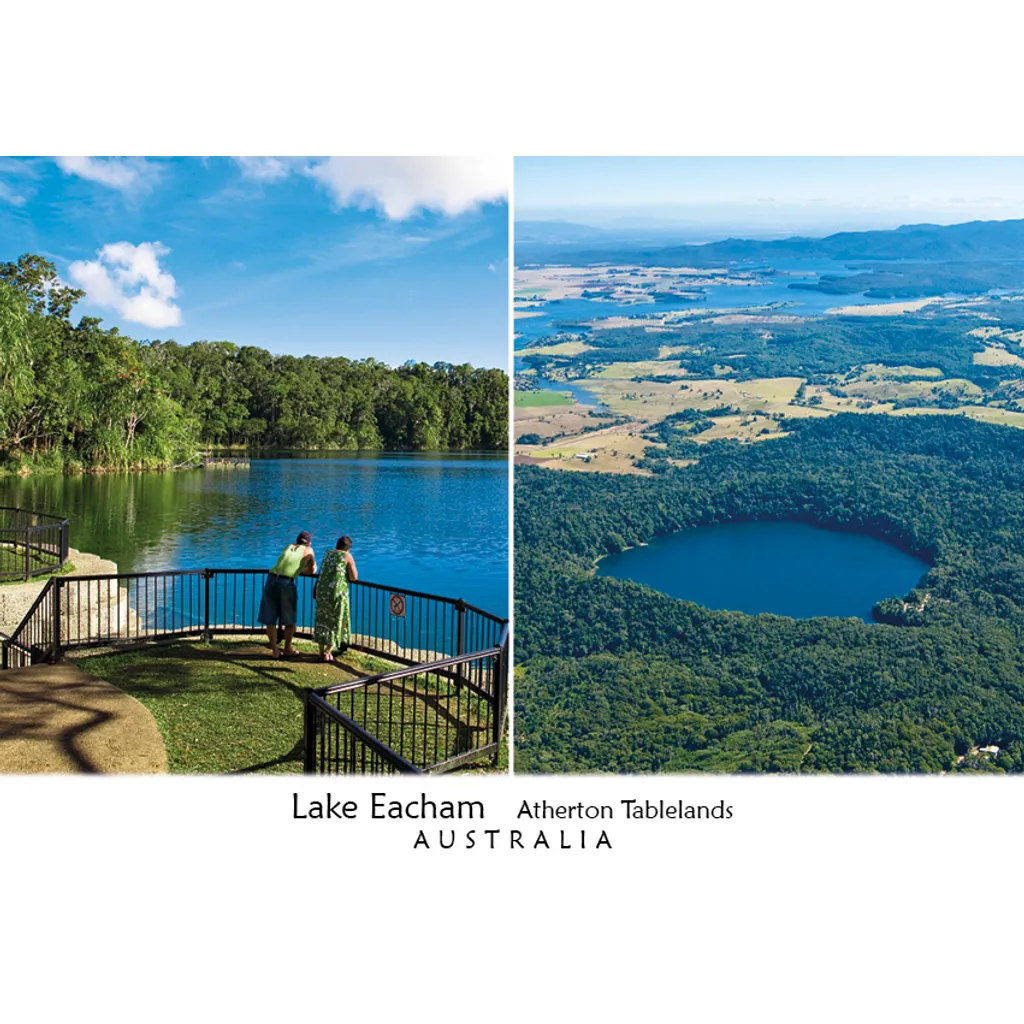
925, 555
25, 471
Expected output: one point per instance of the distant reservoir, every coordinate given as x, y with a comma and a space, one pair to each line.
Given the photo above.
785, 568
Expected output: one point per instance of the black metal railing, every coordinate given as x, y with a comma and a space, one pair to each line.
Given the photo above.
424, 718
31, 543
36, 637
405, 626
445, 707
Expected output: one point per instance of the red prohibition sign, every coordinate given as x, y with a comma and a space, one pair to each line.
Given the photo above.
398, 605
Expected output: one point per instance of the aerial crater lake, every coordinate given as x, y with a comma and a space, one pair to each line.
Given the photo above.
781, 567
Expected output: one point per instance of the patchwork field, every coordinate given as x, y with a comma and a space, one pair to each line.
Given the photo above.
532, 399
647, 367
886, 308
643, 392
858, 394
650, 402
875, 371
996, 355
550, 421
559, 348
611, 451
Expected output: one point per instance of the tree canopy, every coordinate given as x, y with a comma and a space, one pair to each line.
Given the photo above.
81, 395
613, 676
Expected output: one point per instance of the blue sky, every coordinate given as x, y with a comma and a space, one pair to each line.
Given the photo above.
769, 195
395, 258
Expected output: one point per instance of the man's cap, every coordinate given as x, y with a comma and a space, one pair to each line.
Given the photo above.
304, 537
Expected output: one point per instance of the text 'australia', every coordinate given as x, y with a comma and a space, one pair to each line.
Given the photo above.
513, 839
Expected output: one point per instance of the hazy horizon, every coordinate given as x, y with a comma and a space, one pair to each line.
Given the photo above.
710, 198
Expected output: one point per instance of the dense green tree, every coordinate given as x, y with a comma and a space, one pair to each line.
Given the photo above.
80, 395
612, 676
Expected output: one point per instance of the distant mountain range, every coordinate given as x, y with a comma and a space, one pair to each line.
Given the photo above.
912, 261
626, 231
975, 241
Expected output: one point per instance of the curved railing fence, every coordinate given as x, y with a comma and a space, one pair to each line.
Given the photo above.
446, 706
31, 543
423, 718
73, 612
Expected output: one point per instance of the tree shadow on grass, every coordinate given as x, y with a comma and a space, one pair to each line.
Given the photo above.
55, 719
56, 716
182, 671
297, 753
239, 670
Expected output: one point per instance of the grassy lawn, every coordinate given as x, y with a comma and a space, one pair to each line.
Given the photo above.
227, 707
529, 399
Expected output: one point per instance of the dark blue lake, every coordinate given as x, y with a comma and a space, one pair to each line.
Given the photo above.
784, 568
429, 522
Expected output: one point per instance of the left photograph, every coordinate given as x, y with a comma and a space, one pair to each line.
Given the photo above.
254, 478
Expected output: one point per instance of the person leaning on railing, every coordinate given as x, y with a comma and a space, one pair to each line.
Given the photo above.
332, 625
280, 601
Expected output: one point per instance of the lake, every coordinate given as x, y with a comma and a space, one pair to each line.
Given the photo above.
785, 568
430, 522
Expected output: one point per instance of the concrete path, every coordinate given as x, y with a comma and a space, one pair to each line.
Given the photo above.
55, 718
17, 598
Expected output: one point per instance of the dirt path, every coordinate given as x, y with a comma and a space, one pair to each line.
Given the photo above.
56, 718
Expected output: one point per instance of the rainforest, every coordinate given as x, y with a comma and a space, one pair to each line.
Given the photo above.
613, 676
77, 396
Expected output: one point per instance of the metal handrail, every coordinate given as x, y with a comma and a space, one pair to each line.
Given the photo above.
23, 528
331, 753
100, 577
202, 606
454, 601
28, 511
403, 765
14, 640
410, 670
77, 612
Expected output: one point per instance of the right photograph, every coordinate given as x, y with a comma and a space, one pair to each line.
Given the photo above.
769, 464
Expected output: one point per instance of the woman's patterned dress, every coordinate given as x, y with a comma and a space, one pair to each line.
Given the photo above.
331, 627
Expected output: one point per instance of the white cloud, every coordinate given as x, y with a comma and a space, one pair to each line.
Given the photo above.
8, 195
401, 186
124, 174
128, 278
265, 168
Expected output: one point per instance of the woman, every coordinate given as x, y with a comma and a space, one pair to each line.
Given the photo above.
331, 629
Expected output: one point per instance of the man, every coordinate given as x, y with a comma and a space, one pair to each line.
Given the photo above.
279, 604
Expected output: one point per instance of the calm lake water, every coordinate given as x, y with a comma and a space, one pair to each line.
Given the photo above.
779, 567
431, 522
